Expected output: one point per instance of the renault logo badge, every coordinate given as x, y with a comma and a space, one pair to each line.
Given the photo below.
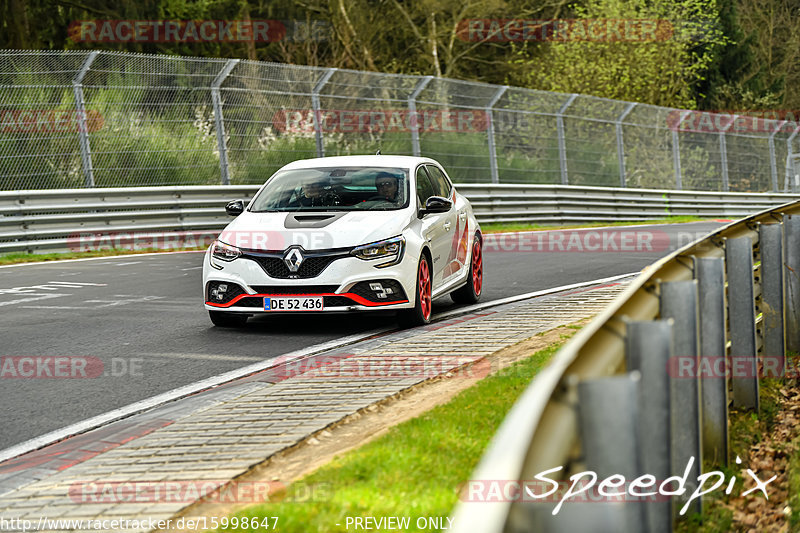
293, 259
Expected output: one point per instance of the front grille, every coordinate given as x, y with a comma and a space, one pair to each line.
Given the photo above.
363, 289
337, 301
232, 290
294, 289
312, 266
250, 301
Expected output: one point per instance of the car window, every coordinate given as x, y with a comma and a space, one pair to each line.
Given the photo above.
441, 186
424, 187
334, 188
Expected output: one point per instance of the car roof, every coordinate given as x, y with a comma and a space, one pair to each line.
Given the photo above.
395, 161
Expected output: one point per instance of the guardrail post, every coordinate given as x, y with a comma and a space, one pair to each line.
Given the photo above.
609, 416
676, 151
770, 244
219, 121
490, 131
621, 144
562, 143
649, 349
710, 275
412, 112
773, 164
723, 154
679, 303
83, 131
741, 317
315, 107
791, 245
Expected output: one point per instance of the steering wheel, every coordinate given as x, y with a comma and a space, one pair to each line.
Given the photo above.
331, 198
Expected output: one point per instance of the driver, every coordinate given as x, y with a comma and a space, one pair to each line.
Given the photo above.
387, 186
310, 194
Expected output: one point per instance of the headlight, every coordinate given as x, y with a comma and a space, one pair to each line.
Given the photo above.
389, 248
224, 252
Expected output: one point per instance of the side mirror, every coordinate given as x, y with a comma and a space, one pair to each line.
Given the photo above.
235, 208
436, 204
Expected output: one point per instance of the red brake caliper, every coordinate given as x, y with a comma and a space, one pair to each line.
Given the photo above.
477, 267
425, 289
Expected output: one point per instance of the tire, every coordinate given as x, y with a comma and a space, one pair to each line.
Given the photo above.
470, 293
222, 319
421, 313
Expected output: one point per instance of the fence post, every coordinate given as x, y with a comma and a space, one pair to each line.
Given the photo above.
679, 303
723, 154
621, 144
741, 317
791, 245
315, 107
789, 163
648, 347
412, 114
562, 143
710, 275
770, 244
80, 108
773, 164
492, 146
676, 151
219, 121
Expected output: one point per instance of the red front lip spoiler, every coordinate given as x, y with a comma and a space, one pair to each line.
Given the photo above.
358, 299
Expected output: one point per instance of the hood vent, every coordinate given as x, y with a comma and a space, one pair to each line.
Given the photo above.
311, 220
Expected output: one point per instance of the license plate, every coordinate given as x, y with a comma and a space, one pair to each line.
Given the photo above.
288, 303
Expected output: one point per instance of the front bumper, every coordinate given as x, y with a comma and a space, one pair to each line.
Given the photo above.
344, 285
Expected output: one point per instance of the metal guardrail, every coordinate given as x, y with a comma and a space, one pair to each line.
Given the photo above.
80, 118
613, 401
53, 220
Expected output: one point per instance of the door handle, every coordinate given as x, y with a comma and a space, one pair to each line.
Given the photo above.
447, 226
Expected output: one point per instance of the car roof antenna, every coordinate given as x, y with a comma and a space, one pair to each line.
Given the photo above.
378, 152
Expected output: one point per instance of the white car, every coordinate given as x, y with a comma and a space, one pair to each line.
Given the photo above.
353, 233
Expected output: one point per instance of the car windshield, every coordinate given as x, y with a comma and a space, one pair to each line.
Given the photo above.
334, 189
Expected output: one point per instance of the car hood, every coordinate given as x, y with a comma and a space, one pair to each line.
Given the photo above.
278, 231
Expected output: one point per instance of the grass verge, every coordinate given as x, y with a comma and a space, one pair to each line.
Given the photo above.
415, 470
21, 257
498, 227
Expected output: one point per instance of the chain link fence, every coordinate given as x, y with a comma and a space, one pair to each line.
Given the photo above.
73, 119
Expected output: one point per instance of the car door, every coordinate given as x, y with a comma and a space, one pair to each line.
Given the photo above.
455, 224
436, 228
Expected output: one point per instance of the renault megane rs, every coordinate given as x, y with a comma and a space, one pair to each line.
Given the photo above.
350, 233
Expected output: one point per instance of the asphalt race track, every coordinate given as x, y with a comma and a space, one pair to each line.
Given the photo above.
140, 323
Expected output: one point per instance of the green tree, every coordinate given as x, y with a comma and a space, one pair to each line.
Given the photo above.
658, 71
